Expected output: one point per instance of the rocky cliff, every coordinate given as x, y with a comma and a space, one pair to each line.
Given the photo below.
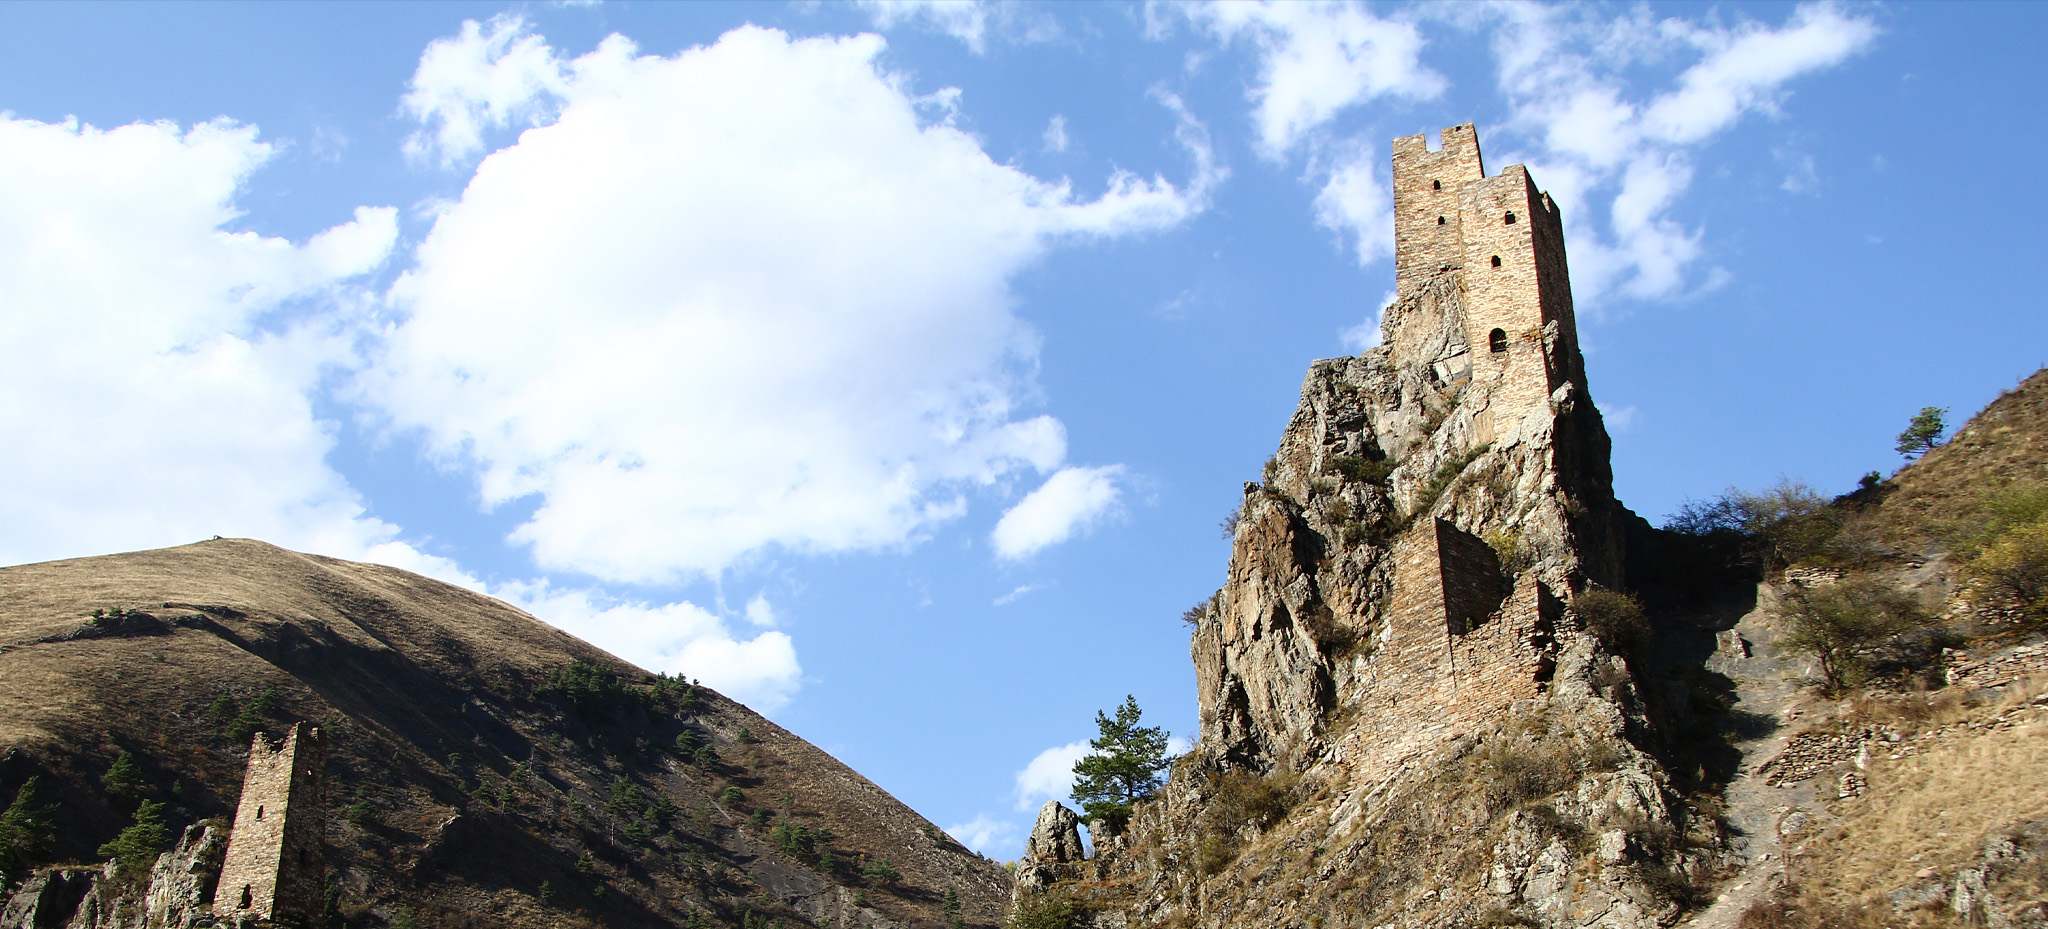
1407, 717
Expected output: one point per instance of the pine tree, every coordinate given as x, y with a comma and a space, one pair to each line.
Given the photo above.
137, 846
25, 832
123, 780
880, 871
1122, 767
1923, 434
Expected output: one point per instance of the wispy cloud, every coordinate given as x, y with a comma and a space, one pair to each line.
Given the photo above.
1014, 595
1070, 501
986, 834
1565, 71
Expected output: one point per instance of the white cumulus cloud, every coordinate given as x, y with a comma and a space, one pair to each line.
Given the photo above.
1358, 202
158, 383
984, 834
1049, 775
1317, 59
485, 78
1068, 502
1607, 143
674, 638
973, 22
167, 390
738, 298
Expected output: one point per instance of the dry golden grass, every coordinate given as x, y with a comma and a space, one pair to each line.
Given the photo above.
1933, 810
429, 691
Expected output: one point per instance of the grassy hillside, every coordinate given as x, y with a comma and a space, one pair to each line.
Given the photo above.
485, 769
1912, 785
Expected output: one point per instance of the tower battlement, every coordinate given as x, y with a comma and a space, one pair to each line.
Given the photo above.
273, 864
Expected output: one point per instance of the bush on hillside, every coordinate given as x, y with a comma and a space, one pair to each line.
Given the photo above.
1780, 526
2014, 569
1043, 911
1851, 628
1615, 618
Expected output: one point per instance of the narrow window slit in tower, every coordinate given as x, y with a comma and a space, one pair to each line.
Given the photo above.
246, 901
1439, 220
1510, 220
1436, 185
1496, 261
1497, 341
259, 812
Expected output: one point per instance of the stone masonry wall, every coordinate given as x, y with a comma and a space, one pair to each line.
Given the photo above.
1504, 239
274, 863
1427, 236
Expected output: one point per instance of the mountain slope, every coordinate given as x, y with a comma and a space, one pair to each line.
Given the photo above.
484, 768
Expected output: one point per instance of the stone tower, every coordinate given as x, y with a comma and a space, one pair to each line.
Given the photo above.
273, 864
1504, 241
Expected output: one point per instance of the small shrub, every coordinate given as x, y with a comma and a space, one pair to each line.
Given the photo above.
358, 813
1360, 469
1499, 916
1779, 526
734, 795
26, 832
1615, 618
1518, 775
1241, 799
251, 718
589, 690
1440, 482
1230, 521
1214, 853
1850, 628
1515, 553
1673, 885
1043, 911
2013, 569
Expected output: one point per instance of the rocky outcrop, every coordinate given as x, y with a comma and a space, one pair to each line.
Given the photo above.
1056, 838
1053, 853
176, 894
1404, 720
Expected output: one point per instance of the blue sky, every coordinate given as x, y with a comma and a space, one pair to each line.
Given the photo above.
890, 366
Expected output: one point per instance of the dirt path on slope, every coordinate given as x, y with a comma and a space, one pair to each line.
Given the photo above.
1767, 692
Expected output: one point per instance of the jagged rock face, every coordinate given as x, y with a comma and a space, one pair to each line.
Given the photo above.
1053, 853
1403, 721
1056, 838
175, 896
1383, 447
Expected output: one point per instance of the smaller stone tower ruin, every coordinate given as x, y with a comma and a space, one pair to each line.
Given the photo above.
273, 866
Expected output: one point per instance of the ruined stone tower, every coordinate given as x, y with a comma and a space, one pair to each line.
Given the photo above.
1398, 627
1502, 240
273, 865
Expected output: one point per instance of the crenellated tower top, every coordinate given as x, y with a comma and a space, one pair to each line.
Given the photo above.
1504, 239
